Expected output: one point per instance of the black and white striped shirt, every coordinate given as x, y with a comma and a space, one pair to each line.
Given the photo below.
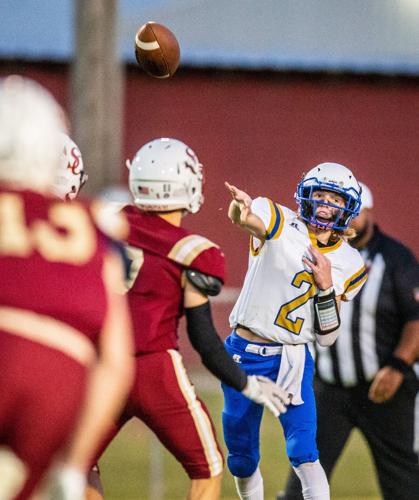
372, 323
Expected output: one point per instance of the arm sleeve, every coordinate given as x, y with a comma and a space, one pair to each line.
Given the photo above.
207, 343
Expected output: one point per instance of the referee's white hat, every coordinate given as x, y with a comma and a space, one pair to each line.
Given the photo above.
367, 200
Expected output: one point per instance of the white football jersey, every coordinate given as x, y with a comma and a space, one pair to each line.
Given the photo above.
276, 299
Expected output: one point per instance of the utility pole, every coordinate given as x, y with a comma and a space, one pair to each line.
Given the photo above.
97, 92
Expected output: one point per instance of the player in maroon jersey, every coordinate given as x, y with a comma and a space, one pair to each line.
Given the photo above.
65, 344
173, 272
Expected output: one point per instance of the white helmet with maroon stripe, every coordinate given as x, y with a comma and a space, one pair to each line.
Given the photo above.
71, 176
164, 175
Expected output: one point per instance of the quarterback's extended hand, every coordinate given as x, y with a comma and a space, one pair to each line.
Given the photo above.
263, 391
240, 212
242, 198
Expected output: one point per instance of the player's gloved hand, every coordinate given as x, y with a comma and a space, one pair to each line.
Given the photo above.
66, 483
263, 391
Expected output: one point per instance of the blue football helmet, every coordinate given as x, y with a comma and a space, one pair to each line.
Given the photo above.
329, 177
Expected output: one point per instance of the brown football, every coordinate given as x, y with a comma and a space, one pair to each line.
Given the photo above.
157, 50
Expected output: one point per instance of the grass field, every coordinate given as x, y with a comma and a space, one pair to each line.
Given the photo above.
136, 466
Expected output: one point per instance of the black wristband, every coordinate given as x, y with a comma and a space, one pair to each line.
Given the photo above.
398, 364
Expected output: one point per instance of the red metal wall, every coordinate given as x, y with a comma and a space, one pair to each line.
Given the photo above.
262, 131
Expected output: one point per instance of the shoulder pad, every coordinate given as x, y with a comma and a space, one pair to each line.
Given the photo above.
208, 285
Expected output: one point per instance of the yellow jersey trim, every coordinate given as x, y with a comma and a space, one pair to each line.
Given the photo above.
255, 251
315, 243
187, 249
277, 221
48, 331
354, 281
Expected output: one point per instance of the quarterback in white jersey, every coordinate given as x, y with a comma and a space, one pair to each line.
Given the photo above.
275, 300
300, 268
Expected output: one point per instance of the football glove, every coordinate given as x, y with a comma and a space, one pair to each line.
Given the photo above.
263, 391
66, 483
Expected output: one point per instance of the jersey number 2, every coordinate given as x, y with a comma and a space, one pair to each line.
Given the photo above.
282, 319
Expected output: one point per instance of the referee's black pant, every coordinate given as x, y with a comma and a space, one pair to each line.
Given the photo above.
387, 427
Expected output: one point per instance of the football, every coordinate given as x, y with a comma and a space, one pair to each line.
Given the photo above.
157, 50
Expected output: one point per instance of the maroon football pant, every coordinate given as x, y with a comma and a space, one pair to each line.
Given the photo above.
41, 391
164, 399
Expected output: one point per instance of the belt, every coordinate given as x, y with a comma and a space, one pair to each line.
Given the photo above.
264, 350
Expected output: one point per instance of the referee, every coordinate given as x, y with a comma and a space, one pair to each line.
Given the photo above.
367, 378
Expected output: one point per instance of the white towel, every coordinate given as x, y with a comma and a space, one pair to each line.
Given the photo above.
291, 371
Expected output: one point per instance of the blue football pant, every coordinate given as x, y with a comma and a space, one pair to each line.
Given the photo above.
241, 417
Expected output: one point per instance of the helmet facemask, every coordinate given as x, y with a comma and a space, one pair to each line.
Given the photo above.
346, 186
